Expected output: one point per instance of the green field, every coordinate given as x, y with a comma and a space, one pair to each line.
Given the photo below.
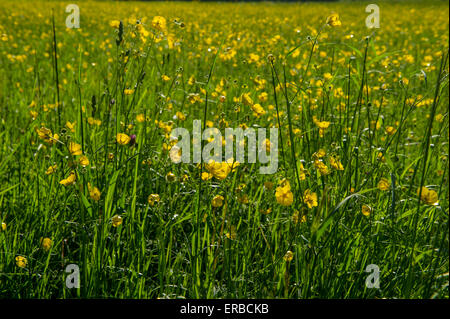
86, 116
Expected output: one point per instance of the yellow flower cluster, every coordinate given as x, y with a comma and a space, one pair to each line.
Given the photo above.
221, 170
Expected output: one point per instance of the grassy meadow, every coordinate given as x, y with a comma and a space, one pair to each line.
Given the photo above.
86, 116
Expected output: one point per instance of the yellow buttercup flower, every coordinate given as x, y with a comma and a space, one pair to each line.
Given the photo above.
336, 164
33, 114
319, 154
51, 169
310, 198
222, 169
263, 97
153, 199
217, 201
180, 116
116, 220
159, 23
383, 184
46, 243
170, 177
302, 172
140, 118
84, 161
322, 125
428, 196
21, 261
94, 193
114, 24
3, 228
71, 126
333, 20
321, 167
283, 194
258, 110
93, 121
439, 118
390, 130
69, 180
366, 210
288, 256
206, 176
46, 135
123, 139
246, 99
75, 149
